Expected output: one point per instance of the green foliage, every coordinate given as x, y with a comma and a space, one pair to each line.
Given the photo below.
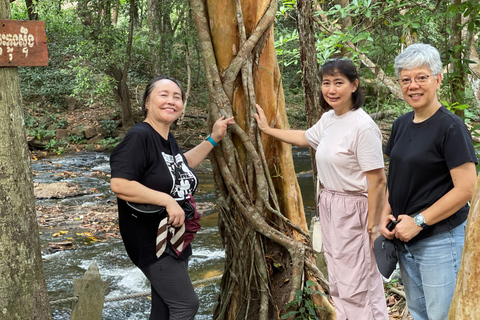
57, 146
51, 85
109, 142
303, 306
108, 126
77, 138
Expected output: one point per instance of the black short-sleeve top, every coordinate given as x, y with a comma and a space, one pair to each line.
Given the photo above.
421, 157
145, 156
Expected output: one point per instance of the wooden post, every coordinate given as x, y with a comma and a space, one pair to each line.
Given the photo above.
90, 291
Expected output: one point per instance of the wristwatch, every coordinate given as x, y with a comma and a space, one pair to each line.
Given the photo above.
420, 221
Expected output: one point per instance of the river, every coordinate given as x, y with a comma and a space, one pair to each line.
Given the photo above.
110, 256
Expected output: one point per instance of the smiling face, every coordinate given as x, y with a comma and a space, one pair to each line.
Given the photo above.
337, 91
164, 104
423, 96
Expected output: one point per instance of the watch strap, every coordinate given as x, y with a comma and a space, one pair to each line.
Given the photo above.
210, 139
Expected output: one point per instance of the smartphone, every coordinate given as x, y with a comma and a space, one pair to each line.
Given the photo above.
391, 225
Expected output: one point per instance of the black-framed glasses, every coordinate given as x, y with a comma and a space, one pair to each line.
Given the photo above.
406, 82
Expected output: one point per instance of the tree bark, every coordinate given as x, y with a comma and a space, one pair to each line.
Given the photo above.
474, 77
458, 75
312, 87
465, 304
122, 93
266, 238
115, 9
31, 10
472, 54
152, 22
23, 292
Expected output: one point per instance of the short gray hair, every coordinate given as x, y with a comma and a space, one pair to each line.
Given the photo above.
417, 55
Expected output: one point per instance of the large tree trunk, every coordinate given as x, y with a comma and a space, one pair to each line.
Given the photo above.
268, 249
465, 304
23, 292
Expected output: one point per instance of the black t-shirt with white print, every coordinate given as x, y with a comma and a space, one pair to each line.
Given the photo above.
145, 156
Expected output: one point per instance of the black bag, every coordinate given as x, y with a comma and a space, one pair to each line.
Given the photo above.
147, 210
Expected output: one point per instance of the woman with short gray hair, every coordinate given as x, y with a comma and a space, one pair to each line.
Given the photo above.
431, 179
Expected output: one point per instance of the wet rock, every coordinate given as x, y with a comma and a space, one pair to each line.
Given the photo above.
59, 246
36, 143
56, 190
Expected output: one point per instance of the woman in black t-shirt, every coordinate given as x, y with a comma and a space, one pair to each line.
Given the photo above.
431, 179
154, 182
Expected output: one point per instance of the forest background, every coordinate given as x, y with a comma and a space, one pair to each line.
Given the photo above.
102, 53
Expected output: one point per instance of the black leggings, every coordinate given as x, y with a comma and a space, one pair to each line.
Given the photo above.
173, 297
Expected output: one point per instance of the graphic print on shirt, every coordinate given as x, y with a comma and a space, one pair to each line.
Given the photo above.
184, 181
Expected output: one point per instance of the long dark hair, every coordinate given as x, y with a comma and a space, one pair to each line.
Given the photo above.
151, 85
346, 68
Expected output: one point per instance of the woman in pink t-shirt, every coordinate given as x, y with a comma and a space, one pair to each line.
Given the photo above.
349, 160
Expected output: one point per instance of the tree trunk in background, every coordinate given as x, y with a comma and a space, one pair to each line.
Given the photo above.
23, 292
32, 14
120, 74
261, 217
465, 300
458, 72
153, 35
475, 76
312, 86
471, 39
115, 9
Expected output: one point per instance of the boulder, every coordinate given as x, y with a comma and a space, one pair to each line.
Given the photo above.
78, 131
62, 134
89, 132
36, 143
95, 139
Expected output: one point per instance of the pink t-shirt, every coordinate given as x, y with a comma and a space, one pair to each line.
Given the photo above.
346, 147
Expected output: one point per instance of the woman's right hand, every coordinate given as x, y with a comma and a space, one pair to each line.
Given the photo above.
261, 119
176, 215
383, 228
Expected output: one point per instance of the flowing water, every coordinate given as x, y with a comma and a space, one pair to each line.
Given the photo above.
110, 256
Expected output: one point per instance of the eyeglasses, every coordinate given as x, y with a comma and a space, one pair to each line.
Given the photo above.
406, 82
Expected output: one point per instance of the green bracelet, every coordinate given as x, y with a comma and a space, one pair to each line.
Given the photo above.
210, 139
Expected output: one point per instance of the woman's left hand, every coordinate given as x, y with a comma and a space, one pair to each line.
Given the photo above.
406, 228
220, 128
